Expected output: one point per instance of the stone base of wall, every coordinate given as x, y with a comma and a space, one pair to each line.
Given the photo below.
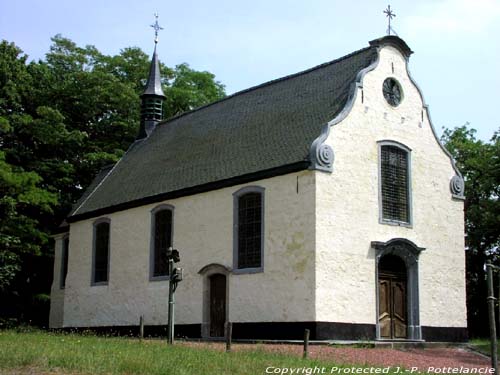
280, 331
445, 334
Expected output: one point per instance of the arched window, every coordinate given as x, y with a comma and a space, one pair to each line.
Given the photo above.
64, 260
249, 229
100, 268
161, 240
395, 184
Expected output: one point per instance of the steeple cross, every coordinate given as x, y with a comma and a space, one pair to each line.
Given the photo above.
390, 15
156, 28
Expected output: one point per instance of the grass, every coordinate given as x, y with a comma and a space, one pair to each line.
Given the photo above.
45, 352
483, 345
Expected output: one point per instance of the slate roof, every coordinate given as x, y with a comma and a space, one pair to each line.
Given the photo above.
153, 85
265, 128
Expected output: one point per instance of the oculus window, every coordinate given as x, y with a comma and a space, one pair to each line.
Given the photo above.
393, 93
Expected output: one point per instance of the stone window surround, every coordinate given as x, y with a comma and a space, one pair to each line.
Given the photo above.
409, 253
154, 211
405, 148
236, 195
62, 281
94, 225
206, 272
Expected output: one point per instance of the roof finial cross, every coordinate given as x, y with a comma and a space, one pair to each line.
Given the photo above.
390, 15
156, 28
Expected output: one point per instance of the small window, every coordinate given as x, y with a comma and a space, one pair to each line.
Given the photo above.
395, 184
162, 240
249, 209
101, 252
64, 261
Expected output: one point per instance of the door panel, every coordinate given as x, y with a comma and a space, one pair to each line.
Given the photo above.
384, 308
399, 309
217, 305
392, 306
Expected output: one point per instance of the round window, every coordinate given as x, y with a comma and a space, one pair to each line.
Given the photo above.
392, 92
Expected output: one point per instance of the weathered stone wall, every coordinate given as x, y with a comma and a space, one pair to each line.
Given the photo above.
56, 293
347, 208
203, 233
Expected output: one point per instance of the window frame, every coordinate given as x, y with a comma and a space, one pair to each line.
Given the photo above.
64, 261
154, 211
236, 196
382, 220
94, 249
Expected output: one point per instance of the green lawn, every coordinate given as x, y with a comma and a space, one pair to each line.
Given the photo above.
483, 345
39, 351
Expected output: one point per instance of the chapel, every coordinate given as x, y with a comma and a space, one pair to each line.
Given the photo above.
320, 200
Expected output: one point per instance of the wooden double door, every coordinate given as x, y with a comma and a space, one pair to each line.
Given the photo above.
392, 286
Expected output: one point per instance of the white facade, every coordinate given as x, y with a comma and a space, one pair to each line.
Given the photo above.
347, 207
319, 262
203, 231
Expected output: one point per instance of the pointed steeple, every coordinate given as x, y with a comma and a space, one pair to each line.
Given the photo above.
153, 96
153, 86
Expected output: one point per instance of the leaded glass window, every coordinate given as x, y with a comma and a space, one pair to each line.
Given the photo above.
101, 256
162, 241
64, 261
395, 184
250, 230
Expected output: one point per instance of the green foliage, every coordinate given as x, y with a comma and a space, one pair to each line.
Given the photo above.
61, 119
479, 163
14, 78
191, 89
483, 346
20, 234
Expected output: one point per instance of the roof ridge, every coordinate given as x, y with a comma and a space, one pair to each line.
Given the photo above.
298, 106
268, 83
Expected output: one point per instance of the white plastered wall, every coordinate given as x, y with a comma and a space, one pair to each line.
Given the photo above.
347, 208
56, 292
203, 233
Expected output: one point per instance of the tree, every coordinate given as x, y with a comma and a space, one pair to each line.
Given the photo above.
61, 119
20, 195
190, 89
479, 163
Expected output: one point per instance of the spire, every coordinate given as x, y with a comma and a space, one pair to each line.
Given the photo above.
153, 96
153, 86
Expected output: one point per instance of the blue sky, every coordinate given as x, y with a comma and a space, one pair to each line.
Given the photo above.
245, 43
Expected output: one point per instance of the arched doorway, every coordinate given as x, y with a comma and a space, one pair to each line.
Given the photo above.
392, 286
397, 288
215, 299
217, 304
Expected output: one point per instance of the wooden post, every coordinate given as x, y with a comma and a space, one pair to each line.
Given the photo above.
306, 343
141, 327
491, 315
229, 333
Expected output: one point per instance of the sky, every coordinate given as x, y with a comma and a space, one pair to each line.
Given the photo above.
245, 43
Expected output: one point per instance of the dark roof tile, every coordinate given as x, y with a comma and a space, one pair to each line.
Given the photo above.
261, 128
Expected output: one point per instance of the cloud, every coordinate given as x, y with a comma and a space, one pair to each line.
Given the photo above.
454, 16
